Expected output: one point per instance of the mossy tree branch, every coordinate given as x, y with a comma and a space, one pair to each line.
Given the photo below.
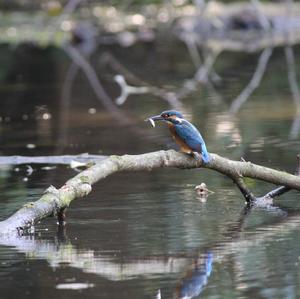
55, 201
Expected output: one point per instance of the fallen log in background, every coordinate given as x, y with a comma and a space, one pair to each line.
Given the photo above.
55, 201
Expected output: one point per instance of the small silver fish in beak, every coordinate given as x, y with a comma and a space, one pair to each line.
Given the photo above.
153, 119
152, 122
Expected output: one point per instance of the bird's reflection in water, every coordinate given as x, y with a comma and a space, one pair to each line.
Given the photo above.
195, 280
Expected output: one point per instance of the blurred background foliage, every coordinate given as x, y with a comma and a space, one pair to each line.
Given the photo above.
29, 5
73, 76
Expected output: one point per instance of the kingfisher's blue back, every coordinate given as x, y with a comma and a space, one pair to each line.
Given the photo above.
192, 138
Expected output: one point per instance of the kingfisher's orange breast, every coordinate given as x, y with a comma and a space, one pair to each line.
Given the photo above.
183, 146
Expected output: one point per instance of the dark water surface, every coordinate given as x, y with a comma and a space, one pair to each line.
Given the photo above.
140, 234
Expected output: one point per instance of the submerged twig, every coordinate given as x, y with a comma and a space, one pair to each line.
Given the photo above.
61, 217
68, 9
127, 90
292, 78
250, 198
200, 76
254, 82
90, 73
65, 102
282, 189
96, 85
261, 16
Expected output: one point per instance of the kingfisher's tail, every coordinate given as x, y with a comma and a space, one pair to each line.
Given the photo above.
205, 155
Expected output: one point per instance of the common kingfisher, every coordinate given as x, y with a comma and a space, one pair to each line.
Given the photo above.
184, 133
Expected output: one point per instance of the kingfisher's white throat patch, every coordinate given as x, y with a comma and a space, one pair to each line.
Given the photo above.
179, 119
176, 118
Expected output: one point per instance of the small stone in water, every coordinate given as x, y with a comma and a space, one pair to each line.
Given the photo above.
74, 286
92, 110
48, 167
29, 170
31, 145
46, 116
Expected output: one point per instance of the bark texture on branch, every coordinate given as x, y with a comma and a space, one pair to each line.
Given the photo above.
56, 200
247, 169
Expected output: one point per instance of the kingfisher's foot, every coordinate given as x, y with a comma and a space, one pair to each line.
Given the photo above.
196, 156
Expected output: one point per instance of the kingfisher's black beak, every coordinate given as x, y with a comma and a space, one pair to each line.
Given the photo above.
156, 117
153, 119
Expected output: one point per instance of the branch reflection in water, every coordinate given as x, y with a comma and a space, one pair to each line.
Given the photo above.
196, 267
